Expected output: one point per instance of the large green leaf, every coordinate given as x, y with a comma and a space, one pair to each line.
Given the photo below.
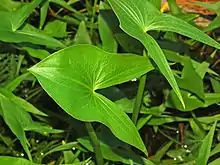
205, 148
72, 76
138, 17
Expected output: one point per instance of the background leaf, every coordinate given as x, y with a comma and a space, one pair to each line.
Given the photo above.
205, 148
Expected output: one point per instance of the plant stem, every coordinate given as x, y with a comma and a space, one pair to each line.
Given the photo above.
95, 143
138, 100
93, 17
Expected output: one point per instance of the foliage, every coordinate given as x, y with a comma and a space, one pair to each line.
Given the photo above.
117, 78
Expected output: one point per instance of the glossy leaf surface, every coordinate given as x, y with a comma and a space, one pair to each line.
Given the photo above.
72, 76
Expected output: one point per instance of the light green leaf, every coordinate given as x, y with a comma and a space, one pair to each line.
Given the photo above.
67, 146
201, 68
205, 148
134, 17
215, 150
9, 5
8, 160
213, 25
43, 13
170, 23
45, 6
56, 28
82, 35
37, 53
27, 34
138, 17
188, 79
161, 152
192, 102
64, 4
166, 119
174, 7
77, 72
18, 17
215, 162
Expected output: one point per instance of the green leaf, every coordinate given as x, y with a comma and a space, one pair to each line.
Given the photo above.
213, 25
14, 111
215, 85
14, 83
109, 43
43, 13
166, 119
114, 150
77, 72
82, 35
215, 150
205, 148
67, 146
18, 17
215, 7
22, 103
56, 28
9, 5
37, 52
188, 79
201, 68
134, 17
138, 17
215, 162
45, 6
174, 7
8, 160
26, 34
197, 128
64, 4
162, 151
14, 122
192, 102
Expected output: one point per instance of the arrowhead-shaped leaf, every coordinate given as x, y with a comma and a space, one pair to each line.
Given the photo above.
72, 76
137, 17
